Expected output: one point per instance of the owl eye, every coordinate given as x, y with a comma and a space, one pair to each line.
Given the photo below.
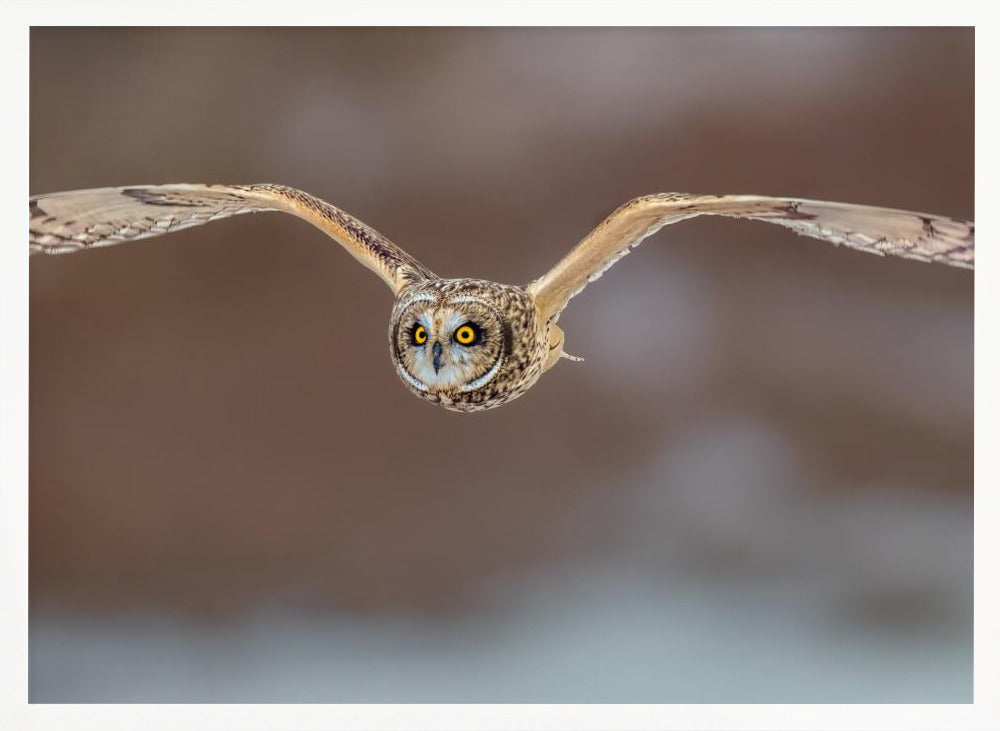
419, 335
467, 334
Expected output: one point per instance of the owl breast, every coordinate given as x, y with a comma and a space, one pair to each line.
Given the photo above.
466, 344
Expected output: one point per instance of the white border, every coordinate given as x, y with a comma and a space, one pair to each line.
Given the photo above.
15, 17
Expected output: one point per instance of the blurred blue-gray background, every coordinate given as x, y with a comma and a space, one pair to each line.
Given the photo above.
757, 488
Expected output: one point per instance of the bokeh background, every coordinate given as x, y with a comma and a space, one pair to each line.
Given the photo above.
757, 488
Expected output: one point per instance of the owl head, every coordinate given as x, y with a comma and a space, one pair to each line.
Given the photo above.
466, 344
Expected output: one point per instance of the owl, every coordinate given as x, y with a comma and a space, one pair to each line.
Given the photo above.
474, 344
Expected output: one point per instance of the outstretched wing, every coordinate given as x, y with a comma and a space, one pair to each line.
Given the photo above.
81, 219
875, 230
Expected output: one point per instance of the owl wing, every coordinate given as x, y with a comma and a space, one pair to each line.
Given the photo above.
875, 230
81, 219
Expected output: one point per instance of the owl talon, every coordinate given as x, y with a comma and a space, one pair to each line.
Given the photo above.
574, 358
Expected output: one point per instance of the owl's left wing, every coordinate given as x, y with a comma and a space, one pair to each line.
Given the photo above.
81, 219
875, 230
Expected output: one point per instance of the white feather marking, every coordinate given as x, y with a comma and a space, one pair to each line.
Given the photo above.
405, 375
483, 379
421, 297
467, 298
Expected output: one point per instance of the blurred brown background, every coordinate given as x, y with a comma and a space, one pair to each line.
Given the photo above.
758, 487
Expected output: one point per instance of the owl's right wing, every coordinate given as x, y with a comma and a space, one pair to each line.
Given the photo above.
81, 219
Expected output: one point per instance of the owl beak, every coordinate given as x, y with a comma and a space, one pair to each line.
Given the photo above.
437, 356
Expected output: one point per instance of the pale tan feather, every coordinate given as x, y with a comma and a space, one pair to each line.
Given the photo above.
874, 230
81, 219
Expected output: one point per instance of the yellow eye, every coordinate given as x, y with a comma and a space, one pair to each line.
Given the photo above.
466, 335
420, 335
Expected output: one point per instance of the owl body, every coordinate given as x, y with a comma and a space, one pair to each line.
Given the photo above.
467, 344
473, 344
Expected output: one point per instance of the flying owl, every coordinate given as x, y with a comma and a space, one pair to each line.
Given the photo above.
473, 344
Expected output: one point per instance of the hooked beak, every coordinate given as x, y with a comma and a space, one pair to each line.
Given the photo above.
437, 356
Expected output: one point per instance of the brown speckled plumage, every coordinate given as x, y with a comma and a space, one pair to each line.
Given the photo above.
513, 336
525, 344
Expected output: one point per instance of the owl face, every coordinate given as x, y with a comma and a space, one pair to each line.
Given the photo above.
466, 344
